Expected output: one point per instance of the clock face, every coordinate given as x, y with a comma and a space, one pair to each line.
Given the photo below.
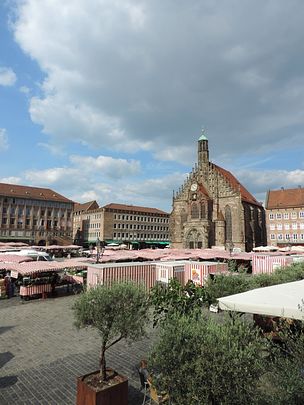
193, 187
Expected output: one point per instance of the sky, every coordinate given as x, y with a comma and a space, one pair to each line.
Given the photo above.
106, 99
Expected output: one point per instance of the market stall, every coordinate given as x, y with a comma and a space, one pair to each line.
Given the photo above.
282, 300
42, 278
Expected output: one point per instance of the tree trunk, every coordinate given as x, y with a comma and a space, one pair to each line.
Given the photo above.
102, 362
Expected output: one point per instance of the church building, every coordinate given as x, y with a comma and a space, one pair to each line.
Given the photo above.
212, 208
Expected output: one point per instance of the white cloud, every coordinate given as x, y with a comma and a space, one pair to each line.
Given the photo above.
106, 166
3, 139
24, 89
118, 77
7, 76
51, 176
11, 180
54, 149
258, 181
106, 180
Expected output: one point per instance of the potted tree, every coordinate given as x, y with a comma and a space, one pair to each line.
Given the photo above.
117, 312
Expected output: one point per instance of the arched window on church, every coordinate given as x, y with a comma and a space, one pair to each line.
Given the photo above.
194, 211
228, 220
203, 210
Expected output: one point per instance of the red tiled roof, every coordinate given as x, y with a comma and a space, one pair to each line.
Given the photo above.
86, 206
46, 194
203, 190
236, 185
289, 198
123, 207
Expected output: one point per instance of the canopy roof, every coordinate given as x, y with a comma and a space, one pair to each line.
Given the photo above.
281, 300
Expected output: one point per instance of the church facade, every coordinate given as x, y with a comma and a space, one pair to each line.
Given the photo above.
212, 208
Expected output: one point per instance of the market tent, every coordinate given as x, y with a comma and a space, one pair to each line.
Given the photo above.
39, 267
283, 300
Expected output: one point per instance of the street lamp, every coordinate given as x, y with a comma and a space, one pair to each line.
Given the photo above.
100, 250
230, 247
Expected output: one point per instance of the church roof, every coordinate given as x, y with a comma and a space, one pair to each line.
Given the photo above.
236, 185
203, 190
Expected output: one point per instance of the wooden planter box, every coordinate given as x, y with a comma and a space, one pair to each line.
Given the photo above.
116, 394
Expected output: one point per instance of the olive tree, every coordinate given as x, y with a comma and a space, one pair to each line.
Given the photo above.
199, 361
117, 312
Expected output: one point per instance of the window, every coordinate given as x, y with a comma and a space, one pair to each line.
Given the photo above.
302, 236
279, 227
271, 216
301, 214
203, 211
295, 236
294, 215
194, 211
301, 225
280, 236
228, 228
286, 215
294, 225
279, 215
287, 236
286, 226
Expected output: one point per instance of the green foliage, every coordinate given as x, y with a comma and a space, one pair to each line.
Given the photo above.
223, 285
284, 383
199, 361
175, 299
117, 312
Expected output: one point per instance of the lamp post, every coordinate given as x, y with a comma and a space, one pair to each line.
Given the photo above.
100, 250
229, 247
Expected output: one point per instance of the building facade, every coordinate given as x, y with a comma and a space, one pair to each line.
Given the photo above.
34, 215
120, 223
285, 217
212, 208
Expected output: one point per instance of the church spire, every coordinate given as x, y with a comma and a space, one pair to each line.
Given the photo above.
203, 151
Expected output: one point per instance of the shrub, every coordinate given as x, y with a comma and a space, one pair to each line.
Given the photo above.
198, 361
223, 285
175, 298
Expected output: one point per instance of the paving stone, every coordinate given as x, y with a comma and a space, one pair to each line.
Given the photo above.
43, 353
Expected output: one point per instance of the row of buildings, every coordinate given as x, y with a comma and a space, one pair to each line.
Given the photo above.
211, 208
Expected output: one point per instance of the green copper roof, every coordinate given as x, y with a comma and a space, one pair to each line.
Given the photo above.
203, 136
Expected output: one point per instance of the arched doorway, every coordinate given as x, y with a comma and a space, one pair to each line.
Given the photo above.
194, 239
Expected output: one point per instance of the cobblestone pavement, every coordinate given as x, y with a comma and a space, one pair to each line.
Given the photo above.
42, 353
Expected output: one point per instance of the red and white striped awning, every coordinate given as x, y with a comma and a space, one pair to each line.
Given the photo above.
40, 267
